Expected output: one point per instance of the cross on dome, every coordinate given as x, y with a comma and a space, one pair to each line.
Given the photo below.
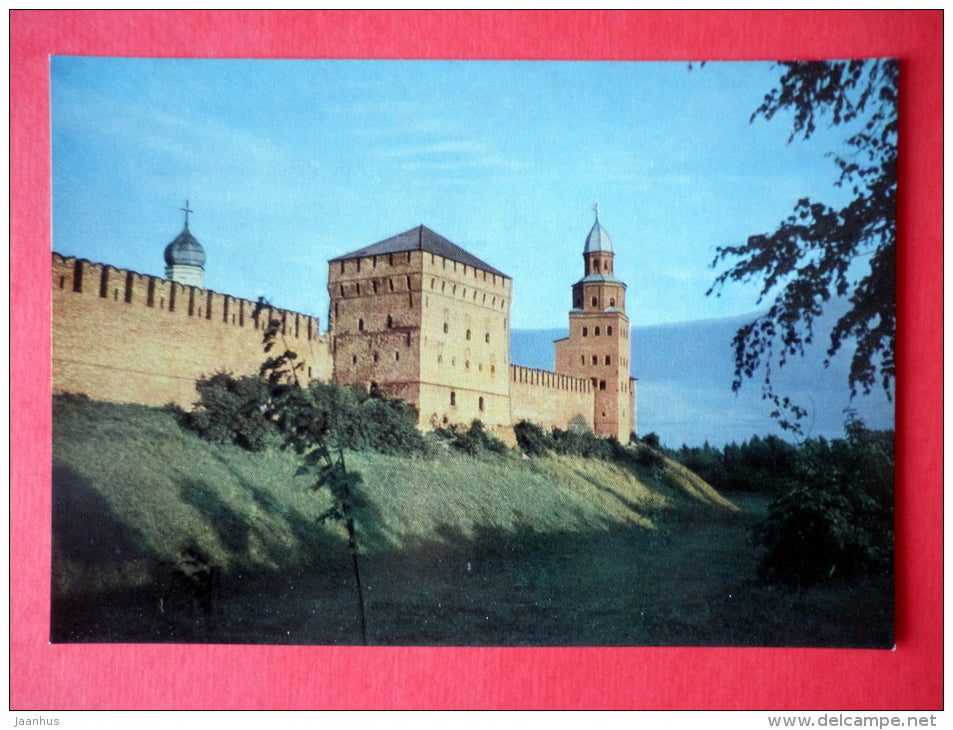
188, 210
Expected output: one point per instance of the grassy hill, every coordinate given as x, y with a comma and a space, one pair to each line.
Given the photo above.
499, 550
132, 488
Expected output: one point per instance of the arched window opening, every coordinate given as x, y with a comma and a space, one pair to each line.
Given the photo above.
585, 331
446, 328
453, 397
377, 357
481, 403
487, 337
602, 385
353, 359
390, 322
611, 302
608, 360
597, 331
360, 325
595, 359
468, 334
609, 329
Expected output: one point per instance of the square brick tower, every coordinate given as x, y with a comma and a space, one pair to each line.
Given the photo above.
427, 322
598, 344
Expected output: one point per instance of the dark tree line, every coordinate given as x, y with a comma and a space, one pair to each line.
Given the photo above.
831, 500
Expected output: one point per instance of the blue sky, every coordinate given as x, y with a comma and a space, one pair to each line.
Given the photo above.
287, 164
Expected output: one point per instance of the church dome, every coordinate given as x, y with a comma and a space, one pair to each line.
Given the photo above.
598, 239
185, 251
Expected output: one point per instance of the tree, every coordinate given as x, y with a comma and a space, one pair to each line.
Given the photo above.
820, 252
292, 409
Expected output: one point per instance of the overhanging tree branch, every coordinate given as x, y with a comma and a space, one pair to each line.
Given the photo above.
821, 252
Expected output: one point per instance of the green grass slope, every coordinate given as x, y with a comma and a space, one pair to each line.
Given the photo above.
456, 551
132, 489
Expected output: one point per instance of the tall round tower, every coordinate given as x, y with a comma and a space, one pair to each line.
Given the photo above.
185, 257
598, 344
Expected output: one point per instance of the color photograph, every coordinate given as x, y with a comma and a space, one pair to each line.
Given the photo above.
473, 353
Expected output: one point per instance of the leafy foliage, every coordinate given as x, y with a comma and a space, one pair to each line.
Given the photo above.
232, 410
473, 441
756, 465
819, 251
835, 518
305, 429
362, 421
534, 441
243, 411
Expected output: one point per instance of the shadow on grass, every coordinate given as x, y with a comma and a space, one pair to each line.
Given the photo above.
93, 551
690, 584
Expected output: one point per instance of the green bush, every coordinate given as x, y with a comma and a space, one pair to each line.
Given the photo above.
473, 441
257, 415
835, 518
232, 410
586, 444
532, 439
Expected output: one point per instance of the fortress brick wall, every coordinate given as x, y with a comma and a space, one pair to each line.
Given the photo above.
414, 315
127, 337
550, 399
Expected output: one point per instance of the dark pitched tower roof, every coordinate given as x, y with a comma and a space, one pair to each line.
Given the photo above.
421, 238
